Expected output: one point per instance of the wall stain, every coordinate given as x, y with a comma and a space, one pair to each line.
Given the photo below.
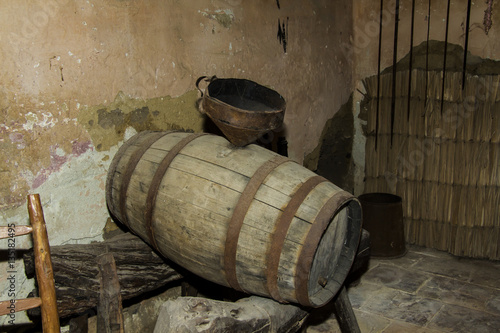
106, 124
140, 116
107, 119
224, 19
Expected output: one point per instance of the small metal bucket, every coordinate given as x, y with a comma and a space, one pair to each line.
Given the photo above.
242, 109
383, 219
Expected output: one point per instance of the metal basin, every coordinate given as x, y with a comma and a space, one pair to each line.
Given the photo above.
383, 219
242, 109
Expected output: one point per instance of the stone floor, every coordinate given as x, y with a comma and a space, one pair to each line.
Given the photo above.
424, 291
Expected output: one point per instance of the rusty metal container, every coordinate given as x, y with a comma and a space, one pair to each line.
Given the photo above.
383, 219
242, 109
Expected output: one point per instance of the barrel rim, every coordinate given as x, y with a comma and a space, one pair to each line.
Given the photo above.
342, 200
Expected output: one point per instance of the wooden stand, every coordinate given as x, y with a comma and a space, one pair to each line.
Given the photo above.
43, 269
103, 279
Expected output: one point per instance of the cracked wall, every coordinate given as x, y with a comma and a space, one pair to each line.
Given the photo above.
80, 77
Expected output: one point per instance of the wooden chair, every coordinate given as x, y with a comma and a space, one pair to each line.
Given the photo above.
43, 268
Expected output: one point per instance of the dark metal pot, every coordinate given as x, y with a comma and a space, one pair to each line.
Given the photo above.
383, 219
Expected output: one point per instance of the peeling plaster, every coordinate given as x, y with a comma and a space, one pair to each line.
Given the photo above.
36, 138
58, 159
224, 17
39, 138
106, 124
74, 206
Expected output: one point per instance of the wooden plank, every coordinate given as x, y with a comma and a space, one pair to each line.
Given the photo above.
109, 309
7, 232
7, 307
228, 178
213, 197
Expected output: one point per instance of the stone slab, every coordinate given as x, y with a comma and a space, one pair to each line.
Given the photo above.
452, 291
398, 305
454, 318
395, 277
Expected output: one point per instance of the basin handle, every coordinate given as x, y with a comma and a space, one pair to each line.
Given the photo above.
207, 79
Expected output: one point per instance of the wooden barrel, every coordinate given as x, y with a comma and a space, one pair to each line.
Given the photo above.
246, 218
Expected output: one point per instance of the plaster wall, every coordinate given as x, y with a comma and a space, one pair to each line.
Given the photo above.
80, 77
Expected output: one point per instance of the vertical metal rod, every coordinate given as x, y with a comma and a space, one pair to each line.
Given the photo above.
411, 55
427, 54
378, 71
445, 53
394, 65
466, 46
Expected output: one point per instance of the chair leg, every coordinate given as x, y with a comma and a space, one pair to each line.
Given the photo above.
43, 266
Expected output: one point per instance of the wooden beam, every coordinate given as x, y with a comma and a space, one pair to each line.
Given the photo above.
7, 232
139, 269
7, 307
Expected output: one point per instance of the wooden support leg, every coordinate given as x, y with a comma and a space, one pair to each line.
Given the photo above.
109, 310
43, 264
345, 314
